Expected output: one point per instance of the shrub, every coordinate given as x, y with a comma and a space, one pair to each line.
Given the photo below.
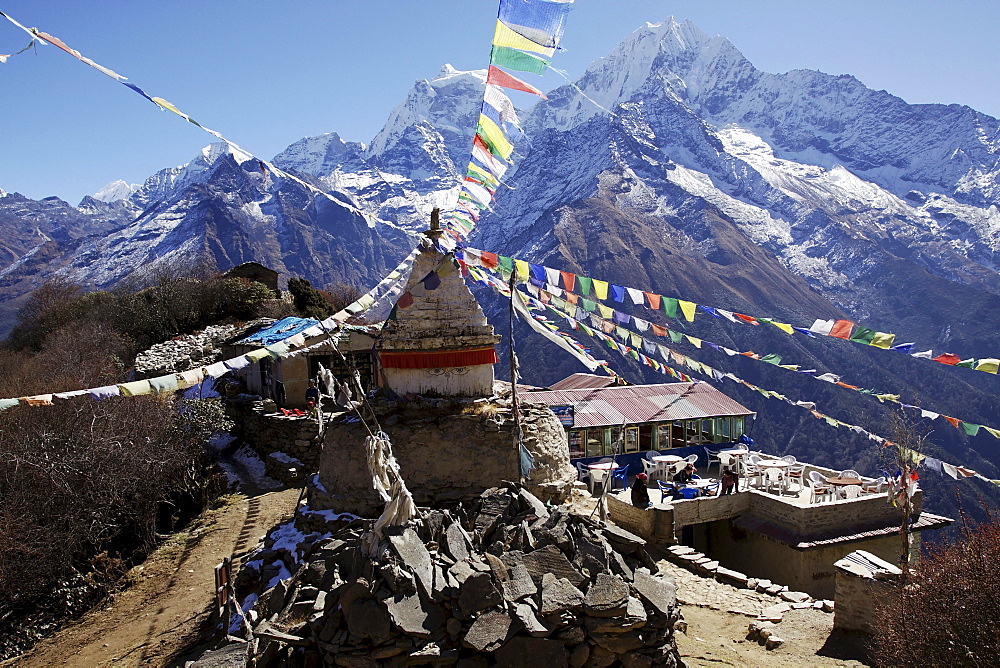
946, 609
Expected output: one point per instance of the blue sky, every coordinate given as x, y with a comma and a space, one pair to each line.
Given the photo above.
268, 73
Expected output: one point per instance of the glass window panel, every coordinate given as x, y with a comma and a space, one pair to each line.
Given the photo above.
632, 439
614, 434
677, 435
663, 436
595, 442
738, 427
577, 443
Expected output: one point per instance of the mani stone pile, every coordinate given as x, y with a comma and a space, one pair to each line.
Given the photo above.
501, 581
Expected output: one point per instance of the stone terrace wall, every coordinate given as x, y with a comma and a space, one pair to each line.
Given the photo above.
447, 452
266, 432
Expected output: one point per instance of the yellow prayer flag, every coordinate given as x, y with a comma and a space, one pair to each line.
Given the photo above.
600, 289
693, 341
785, 327
989, 365
492, 132
169, 107
995, 433
883, 340
135, 388
606, 311
504, 36
257, 355
522, 270
687, 308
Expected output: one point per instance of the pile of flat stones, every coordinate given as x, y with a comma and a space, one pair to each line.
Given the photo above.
502, 581
185, 352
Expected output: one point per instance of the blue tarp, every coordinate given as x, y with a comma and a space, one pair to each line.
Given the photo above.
278, 331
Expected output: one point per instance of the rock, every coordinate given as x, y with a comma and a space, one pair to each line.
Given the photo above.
494, 504
579, 655
530, 503
591, 555
620, 567
774, 590
233, 655
478, 593
537, 651
827, 606
461, 571
454, 542
559, 594
412, 551
634, 618
454, 627
619, 643
621, 540
728, 576
818, 605
497, 567
680, 549
762, 585
633, 660
531, 623
774, 642
368, 618
519, 585
774, 613
752, 583
795, 596
488, 632
550, 559
413, 616
606, 597
600, 658
658, 592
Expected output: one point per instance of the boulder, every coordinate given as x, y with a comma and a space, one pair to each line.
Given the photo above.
606, 597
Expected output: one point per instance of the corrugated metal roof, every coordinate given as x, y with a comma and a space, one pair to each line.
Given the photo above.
579, 381
833, 536
278, 331
603, 406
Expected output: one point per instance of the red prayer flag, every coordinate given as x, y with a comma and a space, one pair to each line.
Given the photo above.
571, 298
658, 330
842, 329
746, 318
948, 358
654, 301
489, 259
405, 300
498, 77
569, 280
953, 421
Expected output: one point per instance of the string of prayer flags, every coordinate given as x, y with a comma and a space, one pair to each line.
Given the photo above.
41, 37
525, 38
842, 329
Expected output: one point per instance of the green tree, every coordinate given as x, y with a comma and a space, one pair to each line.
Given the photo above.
308, 300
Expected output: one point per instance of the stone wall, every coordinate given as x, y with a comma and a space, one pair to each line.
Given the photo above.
447, 451
267, 432
858, 589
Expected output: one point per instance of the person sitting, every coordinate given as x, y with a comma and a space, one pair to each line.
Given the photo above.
640, 494
685, 475
730, 481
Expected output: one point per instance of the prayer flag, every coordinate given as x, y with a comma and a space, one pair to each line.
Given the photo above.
989, 365
953, 421
747, 319
600, 289
512, 59
823, 327
498, 77
786, 328
670, 306
948, 358
569, 281
863, 335
654, 300
495, 98
522, 270
585, 284
687, 308
494, 137
552, 276
618, 293
842, 329
503, 35
540, 20
970, 428
882, 340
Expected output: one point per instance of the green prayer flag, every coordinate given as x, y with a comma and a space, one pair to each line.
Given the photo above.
588, 305
584, 283
863, 335
506, 264
968, 364
970, 428
771, 358
675, 336
512, 59
670, 306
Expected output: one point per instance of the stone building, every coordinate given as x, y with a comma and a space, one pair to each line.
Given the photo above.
255, 271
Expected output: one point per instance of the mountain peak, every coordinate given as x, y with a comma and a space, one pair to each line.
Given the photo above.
114, 191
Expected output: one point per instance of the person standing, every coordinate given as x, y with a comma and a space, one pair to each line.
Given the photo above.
730, 481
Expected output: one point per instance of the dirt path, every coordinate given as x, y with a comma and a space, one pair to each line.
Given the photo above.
167, 602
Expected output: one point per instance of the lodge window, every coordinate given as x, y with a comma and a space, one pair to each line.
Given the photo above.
595, 441
577, 443
632, 439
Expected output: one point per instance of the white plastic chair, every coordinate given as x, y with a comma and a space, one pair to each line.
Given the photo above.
597, 477
713, 458
850, 473
651, 469
794, 472
582, 472
691, 459
774, 478
818, 491
874, 486
852, 491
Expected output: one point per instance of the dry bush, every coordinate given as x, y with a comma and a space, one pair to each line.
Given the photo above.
946, 610
82, 477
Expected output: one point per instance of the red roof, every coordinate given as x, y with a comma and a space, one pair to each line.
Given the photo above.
632, 404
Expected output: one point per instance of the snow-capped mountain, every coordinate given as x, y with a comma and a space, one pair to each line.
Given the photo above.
115, 191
